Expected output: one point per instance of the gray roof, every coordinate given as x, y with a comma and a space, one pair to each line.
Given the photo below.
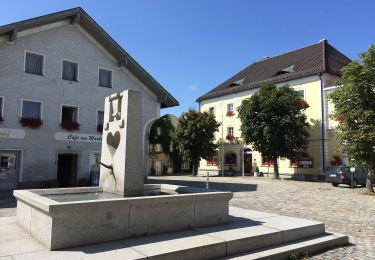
314, 59
78, 15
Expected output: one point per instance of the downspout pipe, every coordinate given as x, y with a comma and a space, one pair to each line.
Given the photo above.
322, 123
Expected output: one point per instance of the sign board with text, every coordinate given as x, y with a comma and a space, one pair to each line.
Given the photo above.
12, 133
73, 137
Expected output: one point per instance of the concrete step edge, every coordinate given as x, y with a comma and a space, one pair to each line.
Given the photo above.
299, 247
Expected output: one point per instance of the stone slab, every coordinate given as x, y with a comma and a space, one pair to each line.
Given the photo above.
111, 250
182, 245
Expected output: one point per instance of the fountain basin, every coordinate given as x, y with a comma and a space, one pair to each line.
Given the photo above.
67, 217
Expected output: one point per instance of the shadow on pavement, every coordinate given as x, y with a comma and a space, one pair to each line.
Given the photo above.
233, 187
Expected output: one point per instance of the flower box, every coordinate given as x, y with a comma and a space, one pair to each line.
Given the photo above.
70, 126
229, 137
294, 165
230, 113
211, 163
99, 128
30, 122
267, 163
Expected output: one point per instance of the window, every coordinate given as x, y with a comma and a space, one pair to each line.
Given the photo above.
158, 148
230, 130
1, 109
34, 63
70, 71
105, 78
301, 93
94, 167
231, 158
100, 121
230, 109
31, 109
213, 160
69, 114
211, 110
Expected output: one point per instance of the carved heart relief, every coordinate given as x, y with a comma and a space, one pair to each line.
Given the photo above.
113, 140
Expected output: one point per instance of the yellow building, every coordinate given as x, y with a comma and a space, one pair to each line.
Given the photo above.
313, 71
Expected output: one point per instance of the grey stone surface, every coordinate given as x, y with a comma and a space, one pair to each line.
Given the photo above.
182, 245
122, 145
343, 210
64, 224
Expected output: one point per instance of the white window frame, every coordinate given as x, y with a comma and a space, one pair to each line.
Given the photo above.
232, 107
2, 106
101, 68
304, 92
32, 100
228, 131
68, 105
36, 53
209, 110
62, 69
97, 112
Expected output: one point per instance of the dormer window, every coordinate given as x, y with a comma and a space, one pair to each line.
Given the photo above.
286, 70
237, 83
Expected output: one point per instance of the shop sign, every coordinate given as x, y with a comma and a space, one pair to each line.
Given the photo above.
12, 133
306, 163
72, 137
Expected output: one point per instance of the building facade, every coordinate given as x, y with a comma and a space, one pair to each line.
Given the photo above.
312, 71
55, 72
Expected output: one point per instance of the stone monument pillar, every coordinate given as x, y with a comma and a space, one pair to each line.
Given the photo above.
121, 171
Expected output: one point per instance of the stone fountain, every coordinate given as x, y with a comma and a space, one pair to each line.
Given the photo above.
121, 206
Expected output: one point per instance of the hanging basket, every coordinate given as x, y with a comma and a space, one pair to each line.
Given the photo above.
30, 122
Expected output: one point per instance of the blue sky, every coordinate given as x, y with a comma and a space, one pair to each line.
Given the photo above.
192, 46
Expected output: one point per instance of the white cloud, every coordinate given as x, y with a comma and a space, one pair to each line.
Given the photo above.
194, 87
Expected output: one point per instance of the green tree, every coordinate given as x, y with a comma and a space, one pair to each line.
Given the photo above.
274, 123
195, 135
354, 102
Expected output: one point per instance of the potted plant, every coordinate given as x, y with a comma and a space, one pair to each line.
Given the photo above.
31, 122
256, 172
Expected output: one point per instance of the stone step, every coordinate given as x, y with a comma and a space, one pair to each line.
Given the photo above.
299, 248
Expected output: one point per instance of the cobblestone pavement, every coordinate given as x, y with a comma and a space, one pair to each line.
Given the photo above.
343, 210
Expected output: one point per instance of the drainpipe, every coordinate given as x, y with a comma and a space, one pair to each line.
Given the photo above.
322, 131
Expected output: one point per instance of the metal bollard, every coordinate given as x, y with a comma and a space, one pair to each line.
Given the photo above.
208, 181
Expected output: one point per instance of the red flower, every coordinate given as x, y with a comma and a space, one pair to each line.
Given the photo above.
294, 164
229, 137
230, 113
33, 123
341, 118
70, 126
303, 103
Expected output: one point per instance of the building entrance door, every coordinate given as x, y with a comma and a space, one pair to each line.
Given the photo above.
158, 167
67, 169
9, 169
247, 162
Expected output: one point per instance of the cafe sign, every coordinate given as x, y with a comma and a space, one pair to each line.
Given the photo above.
12, 133
72, 137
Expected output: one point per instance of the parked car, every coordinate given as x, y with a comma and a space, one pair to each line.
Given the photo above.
341, 175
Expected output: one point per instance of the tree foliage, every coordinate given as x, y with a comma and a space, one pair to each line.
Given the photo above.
195, 135
165, 137
274, 123
354, 102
